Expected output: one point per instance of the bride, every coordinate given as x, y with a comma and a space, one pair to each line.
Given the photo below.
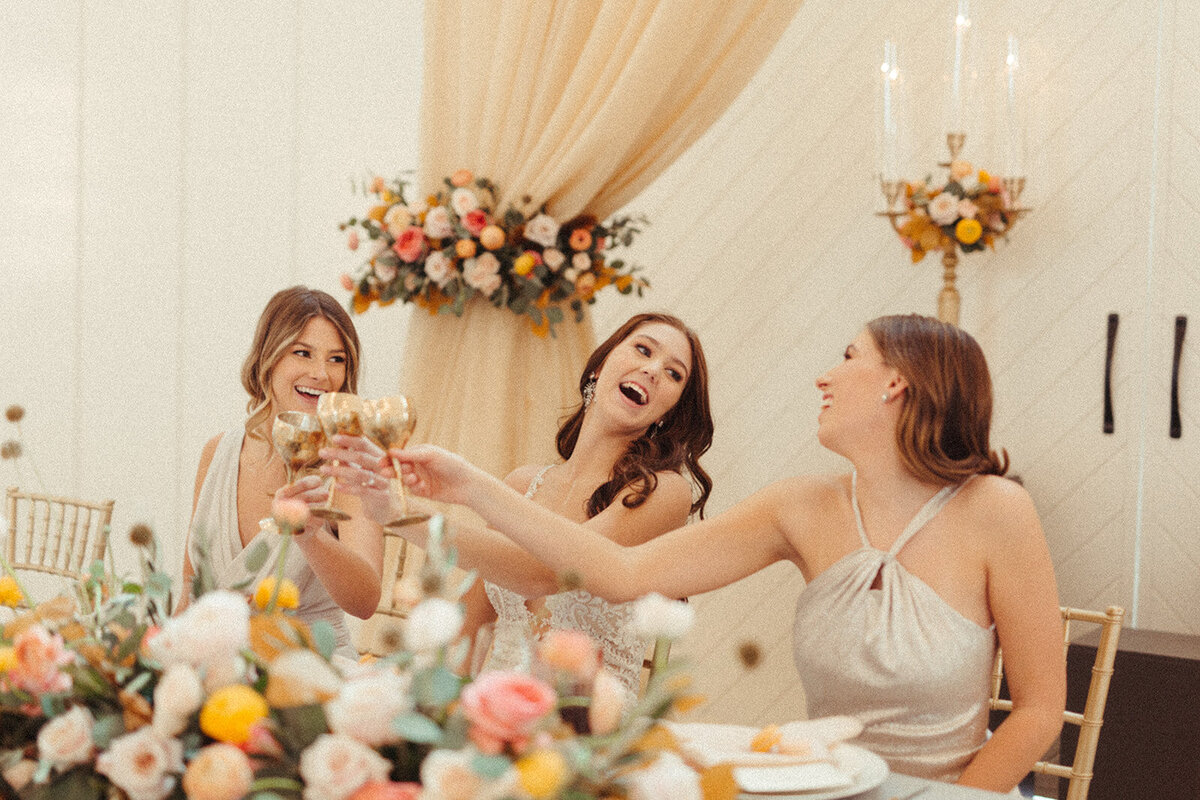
916, 561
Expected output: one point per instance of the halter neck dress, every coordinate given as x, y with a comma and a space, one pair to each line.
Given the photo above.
914, 670
609, 625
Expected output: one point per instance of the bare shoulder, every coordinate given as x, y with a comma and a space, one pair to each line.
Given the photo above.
673, 488
206, 456
812, 492
1003, 512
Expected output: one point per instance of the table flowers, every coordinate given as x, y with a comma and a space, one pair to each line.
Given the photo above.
441, 251
966, 213
105, 694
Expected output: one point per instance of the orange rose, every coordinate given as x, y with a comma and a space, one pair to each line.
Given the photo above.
492, 237
464, 248
461, 178
581, 239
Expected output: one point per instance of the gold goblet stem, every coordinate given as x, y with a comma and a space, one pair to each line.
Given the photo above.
406, 517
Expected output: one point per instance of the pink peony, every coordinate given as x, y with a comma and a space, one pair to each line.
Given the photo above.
410, 244
40, 656
475, 221
218, 772
504, 708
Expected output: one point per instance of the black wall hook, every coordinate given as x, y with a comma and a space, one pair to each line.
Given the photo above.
1176, 422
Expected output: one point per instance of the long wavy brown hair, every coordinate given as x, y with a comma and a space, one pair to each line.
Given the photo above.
280, 324
947, 415
686, 431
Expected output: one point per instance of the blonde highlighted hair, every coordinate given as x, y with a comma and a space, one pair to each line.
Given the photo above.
947, 415
280, 325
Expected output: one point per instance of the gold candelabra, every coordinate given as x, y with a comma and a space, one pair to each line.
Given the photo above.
948, 298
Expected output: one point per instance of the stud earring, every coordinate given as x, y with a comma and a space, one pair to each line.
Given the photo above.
886, 397
589, 391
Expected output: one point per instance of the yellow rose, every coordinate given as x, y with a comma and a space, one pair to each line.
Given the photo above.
968, 231
289, 594
542, 773
10, 593
8, 659
523, 265
230, 712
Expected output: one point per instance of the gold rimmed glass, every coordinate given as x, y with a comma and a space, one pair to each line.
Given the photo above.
389, 422
298, 438
339, 412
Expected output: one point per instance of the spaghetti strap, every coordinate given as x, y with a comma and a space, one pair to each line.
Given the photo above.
928, 511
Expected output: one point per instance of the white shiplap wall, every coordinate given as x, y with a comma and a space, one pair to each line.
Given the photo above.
168, 167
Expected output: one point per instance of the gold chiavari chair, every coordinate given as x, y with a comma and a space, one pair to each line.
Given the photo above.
1079, 772
59, 536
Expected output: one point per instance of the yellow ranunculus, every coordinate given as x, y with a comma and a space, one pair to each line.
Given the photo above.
289, 594
230, 711
984, 177
8, 659
10, 593
968, 231
542, 773
523, 264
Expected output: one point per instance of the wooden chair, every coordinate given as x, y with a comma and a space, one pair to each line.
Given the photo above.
1079, 772
58, 536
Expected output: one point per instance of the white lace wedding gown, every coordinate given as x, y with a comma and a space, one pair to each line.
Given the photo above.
608, 624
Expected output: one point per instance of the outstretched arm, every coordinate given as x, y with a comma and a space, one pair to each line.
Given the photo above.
689, 560
1023, 600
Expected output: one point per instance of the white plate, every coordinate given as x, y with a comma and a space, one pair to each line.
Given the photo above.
781, 783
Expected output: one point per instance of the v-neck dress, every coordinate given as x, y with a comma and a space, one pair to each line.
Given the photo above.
609, 625
215, 527
914, 670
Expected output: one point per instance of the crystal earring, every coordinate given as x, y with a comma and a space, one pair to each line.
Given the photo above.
589, 391
654, 429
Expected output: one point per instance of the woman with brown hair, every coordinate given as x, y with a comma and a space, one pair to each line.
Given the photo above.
304, 345
916, 561
630, 472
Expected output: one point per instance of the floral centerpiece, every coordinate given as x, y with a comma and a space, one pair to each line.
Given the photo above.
968, 212
105, 695
443, 250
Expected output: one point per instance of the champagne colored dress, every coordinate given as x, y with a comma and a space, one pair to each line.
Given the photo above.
914, 670
215, 528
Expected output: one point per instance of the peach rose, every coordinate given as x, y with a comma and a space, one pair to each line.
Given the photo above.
289, 512
461, 177
570, 651
463, 201
335, 766
943, 209
437, 223
960, 169
66, 740
465, 248
397, 219
141, 764
377, 185
492, 237
504, 708
439, 268
388, 790
554, 258
40, 656
410, 244
449, 775
542, 229
218, 772
482, 273
475, 221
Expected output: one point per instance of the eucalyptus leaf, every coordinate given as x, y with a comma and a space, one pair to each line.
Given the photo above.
257, 555
417, 728
324, 638
490, 767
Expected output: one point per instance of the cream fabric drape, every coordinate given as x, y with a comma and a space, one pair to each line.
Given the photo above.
578, 104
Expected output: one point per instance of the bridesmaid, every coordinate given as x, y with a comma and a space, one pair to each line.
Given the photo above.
916, 560
305, 345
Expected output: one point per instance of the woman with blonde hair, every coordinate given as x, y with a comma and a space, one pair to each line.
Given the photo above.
304, 345
917, 561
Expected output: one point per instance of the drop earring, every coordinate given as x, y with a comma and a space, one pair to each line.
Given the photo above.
589, 391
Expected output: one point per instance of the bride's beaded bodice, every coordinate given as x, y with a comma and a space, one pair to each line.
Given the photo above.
608, 624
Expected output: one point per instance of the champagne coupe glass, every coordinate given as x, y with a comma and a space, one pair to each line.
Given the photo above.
339, 412
297, 438
389, 421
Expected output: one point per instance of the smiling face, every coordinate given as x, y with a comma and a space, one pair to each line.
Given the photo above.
645, 374
311, 365
852, 395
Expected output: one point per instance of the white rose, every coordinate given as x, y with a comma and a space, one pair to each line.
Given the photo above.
366, 706
943, 209
177, 696
482, 273
439, 268
581, 262
215, 628
385, 272
141, 763
437, 223
655, 617
335, 766
433, 623
543, 230
397, 219
418, 207
463, 201
448, 775
66, 740
667, 776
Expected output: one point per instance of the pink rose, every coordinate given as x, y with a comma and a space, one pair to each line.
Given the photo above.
437, 223
967, 209
335, 766
352, 240
39, 655
943, 209
141, 764
475, 221
504, 708
410, 244
482, 273
387, 790
463, 201
218, 772
543, 230
570, 651
66, 740
290, 512
439, 268
347, 282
